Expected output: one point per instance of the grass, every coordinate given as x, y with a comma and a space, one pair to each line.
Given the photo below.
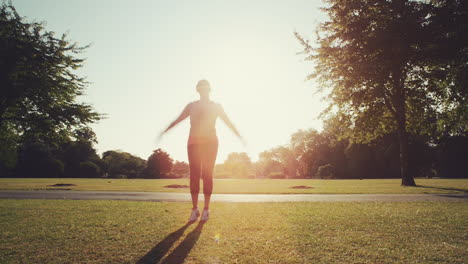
65, 231
260, 186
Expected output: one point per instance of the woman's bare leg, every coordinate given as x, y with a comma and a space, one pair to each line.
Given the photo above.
207, 201
194, 200
195, 172
208, 163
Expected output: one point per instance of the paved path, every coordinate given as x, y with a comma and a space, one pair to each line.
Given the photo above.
185, 197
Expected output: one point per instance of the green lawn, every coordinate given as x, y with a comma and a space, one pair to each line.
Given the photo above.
65, 231
246, 185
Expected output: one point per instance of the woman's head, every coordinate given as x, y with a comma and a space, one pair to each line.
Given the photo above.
203, 87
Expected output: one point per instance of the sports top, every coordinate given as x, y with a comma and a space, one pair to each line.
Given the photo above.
203, 115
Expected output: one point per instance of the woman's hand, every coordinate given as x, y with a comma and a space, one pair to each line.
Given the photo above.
244, 142
159, 136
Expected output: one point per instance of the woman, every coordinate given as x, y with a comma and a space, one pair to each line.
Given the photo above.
202, 144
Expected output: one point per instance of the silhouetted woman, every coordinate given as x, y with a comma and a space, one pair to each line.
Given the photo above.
202, 144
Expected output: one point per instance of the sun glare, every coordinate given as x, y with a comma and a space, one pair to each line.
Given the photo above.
250, 81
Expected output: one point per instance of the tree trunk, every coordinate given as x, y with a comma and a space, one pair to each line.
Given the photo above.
406, 178
400, 109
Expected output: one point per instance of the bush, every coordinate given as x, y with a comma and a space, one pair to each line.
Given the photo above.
89, 169
326, 171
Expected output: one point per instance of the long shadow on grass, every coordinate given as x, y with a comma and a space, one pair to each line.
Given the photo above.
179, 254
156, 254
445, 189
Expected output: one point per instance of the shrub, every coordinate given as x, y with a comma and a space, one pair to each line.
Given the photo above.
325, 171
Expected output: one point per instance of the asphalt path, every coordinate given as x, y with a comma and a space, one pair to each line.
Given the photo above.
238, 198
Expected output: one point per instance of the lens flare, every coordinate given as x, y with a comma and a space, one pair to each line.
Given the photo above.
217, 237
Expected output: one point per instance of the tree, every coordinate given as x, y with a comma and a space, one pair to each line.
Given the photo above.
310, 149
39, 86
8, 153
283, 156
180, 169
313, 150
449, 22
453, 153
123, 164
299, 147
361, 163
159, 164
36, 160
76, 153
380, 62
89, 169
238, 165
386, 153
267, 165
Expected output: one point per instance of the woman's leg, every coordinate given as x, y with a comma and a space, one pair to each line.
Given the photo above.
208, 163
195, 172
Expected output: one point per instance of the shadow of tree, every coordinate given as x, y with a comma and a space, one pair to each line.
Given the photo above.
156, 254
179, 254
456, 196
442, 188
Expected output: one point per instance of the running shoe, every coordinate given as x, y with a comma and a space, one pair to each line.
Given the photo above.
205, 215
195, 214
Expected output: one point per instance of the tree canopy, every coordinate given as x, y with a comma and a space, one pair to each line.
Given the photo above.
385, 68
238, 165
39, 81
159, 164
39, 87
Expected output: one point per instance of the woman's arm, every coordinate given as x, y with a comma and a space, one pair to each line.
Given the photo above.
185, 113
228, 122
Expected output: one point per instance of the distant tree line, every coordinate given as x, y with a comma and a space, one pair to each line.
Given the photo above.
78, 159
311, 154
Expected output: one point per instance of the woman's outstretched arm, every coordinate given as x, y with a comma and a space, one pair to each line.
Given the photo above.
185, 113
231, 126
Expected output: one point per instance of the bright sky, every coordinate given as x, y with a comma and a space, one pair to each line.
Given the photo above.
147, 56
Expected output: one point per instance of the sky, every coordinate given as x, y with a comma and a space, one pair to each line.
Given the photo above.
147, 56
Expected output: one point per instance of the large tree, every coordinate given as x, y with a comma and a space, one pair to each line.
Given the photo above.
384, 67
280, 156
159, 164
238, 165
39, 83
